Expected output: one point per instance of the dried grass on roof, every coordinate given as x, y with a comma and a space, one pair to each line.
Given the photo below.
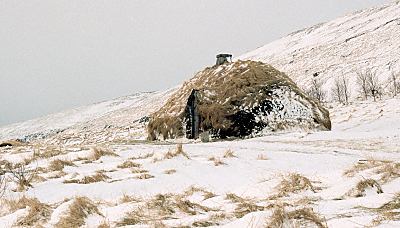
224, 90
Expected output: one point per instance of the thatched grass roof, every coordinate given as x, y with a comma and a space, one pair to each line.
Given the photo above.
227, 89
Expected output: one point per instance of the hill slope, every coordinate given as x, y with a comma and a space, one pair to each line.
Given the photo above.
347, 177
366, 39
95, 122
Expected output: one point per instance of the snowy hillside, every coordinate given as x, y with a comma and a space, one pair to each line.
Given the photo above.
117, 115
366, 39
94, 168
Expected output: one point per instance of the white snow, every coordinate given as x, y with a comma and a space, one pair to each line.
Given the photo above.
362, 130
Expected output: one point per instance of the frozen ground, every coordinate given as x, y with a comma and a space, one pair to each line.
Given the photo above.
212, 187
93, 168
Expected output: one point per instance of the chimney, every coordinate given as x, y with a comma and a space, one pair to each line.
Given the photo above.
223, 58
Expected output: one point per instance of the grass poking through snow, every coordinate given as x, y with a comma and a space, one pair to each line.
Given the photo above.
77, 212
304, 217
294, 183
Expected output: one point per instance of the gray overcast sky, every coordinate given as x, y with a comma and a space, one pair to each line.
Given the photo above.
59, 54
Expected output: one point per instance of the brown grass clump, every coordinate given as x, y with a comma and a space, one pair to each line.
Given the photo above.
98, 177
129, 164
178, 151
244, 206
217, 161
59, 174
143, 156
215, 219
36, 179
298, 218
144, 176
262, 157
390, 211
363, 165
128, 199
389, 171
193, 189
104, 224
170, 171
14, 205
58, 164
78, 211
98, 152
234, 198
48, 152
37, 213
162, 207
294, 183
229, 154
139, 171
362, 186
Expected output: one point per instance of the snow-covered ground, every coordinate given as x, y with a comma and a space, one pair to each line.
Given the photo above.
365, 132
368, 39
93, 168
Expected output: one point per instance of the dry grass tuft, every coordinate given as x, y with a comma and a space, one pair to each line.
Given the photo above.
37, 213
16, 204
234, 198
128, 199
78, 211
144, 176
170, 171
294, 183
58, 164
282, 218
143, 156
129, 164
363, 165
48, 152
98, 152
139, 171
98, 177
244, 206
215, 219
229, 154
178, 151
390, 211
362, 186
59, 174
262, 157
193, 189
104, 224
162, 207
389, 172
217, 161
